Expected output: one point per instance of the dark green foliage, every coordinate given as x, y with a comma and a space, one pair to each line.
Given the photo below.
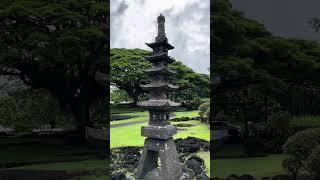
204, 110
127, 74
279, 123
117, 96
313, 162
31, 108
253, 145
302, 148
58, 45
127, 67
193, 104
260, 73
8, 111
292, 166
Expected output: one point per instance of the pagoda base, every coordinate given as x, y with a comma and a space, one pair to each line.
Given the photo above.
169, 167
159, 132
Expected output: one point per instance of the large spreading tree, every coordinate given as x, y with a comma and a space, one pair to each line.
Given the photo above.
259, 71
127, 74
58, 45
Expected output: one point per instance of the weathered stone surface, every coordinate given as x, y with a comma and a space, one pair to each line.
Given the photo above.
164, 44
159, 86
192, 144
159, 132
170, 168
159, 57
159, 70
164, 105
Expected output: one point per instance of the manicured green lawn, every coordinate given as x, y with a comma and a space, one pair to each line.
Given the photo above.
144, 115
258, 167
45, 152
18, 150
131, 135
70, 167
137, 116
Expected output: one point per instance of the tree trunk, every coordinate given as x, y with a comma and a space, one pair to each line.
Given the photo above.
135, 98
266, 109
81, 114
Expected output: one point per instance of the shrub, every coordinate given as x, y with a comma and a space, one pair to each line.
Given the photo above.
203, 108
301, 144
274, 145
302, 151
193, 104
207, 113
279, 123
292, 166
313, 162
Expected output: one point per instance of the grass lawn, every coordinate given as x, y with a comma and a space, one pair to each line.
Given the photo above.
70, 167
144, 115
43, 154
137, 116
46, 151
305, 121
131, 135
258, 167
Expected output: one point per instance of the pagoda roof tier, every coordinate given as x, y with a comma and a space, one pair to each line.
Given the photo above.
159, 57
159, 44
159, 70
159, 86
165, 105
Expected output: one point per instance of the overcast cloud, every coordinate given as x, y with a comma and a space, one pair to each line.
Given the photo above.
133, 22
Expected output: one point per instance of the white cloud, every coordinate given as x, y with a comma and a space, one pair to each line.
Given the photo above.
133, 22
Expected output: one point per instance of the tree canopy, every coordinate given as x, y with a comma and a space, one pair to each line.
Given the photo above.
127, 74
256, 67
59, 45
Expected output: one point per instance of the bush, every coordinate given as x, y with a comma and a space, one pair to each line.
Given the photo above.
193, 104
302, 149
274, 145
292, 166
279, 123
313, 162
203, 109
301, 144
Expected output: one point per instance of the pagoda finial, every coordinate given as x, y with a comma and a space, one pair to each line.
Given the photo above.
161, 29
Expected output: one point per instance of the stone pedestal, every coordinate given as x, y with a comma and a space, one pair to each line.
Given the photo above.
166, 167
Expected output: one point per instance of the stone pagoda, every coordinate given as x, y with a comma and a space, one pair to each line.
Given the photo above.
159, 160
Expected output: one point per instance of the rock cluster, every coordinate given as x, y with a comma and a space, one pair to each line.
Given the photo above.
124, 160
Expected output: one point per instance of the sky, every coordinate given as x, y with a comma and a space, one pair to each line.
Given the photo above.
133, 23
287, 18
